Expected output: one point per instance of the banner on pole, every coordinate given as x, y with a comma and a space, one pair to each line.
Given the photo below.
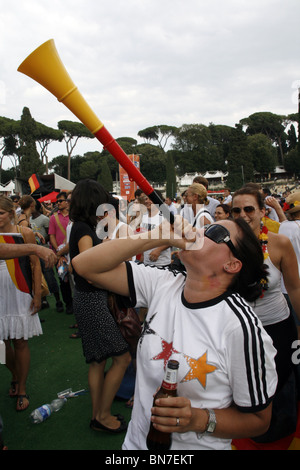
127, 186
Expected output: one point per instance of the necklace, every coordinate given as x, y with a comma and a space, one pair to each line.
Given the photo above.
263, 238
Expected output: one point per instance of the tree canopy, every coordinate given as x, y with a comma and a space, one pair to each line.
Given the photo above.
71, 132
256, 144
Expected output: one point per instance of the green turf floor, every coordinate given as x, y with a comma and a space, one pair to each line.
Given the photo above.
57, 363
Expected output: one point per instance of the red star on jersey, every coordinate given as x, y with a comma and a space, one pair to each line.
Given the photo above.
166, 353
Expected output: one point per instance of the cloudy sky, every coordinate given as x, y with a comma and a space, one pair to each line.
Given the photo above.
144, 62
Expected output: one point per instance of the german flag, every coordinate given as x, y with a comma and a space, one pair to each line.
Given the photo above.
34, 182
18, 268
291, 442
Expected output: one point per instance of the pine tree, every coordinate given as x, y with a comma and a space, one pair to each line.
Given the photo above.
29, 157
171, 186
104, 176
240, 166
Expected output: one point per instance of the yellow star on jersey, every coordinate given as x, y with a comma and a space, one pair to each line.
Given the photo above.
199, 368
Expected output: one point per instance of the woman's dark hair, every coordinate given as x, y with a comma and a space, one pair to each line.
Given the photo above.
253, 190
87, 195
226, 208
250, 281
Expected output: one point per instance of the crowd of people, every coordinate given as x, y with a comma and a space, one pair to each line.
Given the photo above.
218, 291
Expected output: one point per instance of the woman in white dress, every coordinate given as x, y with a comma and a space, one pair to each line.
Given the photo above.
18, 310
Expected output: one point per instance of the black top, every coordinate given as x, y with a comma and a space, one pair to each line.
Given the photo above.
79, 230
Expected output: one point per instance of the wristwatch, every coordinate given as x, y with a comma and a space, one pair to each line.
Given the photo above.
211, 423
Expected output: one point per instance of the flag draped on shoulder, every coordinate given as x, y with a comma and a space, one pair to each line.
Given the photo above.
18, 268
34, 182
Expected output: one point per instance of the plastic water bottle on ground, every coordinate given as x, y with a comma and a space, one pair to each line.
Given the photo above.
43, 412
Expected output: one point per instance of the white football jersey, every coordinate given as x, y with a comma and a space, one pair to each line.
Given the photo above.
224, 354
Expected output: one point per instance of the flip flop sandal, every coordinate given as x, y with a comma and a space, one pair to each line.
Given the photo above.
13, 389
20, 402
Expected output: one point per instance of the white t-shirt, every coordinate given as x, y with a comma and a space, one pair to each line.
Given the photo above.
172, 208
40, 224
212, 205
228, 200
219, 348
187, 213
147, 224
272, 214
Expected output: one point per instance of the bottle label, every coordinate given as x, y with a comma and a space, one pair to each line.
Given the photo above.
45, 412
169, 386
170, 380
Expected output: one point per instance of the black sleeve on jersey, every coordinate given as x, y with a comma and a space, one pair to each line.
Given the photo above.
257, 385
132, 293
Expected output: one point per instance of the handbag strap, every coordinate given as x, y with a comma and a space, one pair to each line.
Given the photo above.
199, 214
59, 224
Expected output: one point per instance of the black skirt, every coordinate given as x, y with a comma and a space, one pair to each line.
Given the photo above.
100, 335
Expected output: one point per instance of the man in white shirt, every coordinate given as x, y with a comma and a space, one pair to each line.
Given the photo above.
228, 197
270, 211
171, 205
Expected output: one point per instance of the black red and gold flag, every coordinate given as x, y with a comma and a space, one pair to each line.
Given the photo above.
18, 268
34, 182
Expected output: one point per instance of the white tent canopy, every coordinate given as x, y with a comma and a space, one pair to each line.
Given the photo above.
10, 186
7, 188
62, 183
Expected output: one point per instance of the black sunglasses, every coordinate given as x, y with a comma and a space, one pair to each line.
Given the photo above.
246, 209
219, 234
60, 200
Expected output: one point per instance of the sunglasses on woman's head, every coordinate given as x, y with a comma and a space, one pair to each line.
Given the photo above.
219, 234
246, 209
60, 200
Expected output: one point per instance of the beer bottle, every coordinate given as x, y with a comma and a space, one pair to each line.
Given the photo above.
158, 441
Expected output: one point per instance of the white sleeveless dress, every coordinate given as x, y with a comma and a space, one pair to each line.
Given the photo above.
272, 307
16, 321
